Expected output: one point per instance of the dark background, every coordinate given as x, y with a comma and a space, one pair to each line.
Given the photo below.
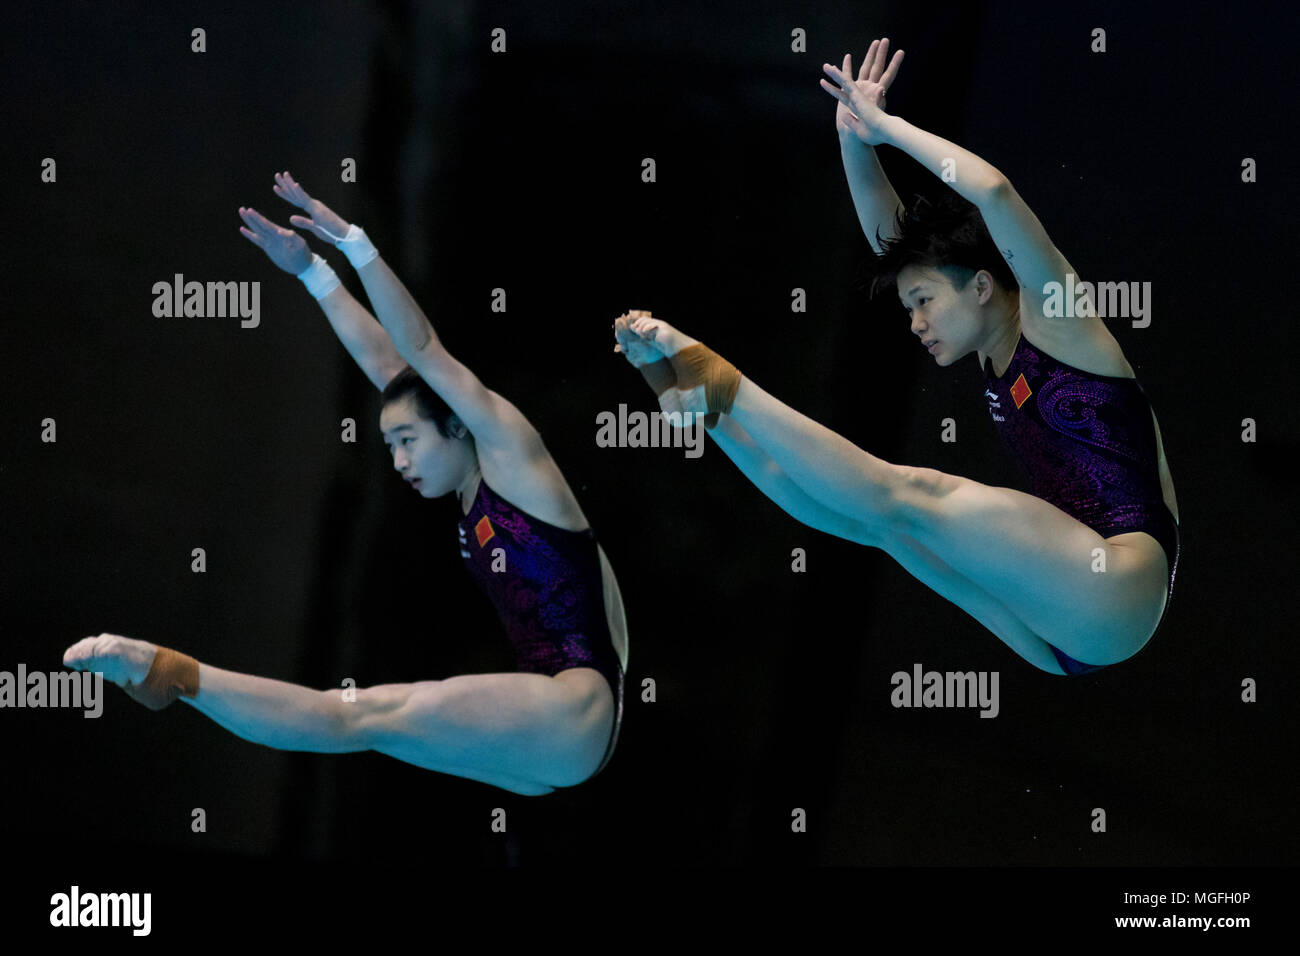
522, 171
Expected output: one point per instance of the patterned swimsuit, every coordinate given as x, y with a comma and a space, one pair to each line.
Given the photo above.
546, 585
1087, 444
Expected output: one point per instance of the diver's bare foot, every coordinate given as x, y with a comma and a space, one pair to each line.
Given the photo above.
640, 352
121, 659
667, 339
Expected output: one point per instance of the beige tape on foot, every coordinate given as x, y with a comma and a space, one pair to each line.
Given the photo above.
659, 375
171, 675
699, 365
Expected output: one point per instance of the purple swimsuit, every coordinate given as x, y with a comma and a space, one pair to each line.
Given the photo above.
1087, 444
547, 589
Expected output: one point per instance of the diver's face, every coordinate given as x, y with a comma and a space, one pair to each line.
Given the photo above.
943, 317
434, 465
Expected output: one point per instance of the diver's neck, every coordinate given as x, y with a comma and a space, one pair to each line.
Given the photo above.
466, 489
1003, 347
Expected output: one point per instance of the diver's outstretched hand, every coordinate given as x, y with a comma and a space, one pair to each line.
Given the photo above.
284, 247
320, 219
861, 108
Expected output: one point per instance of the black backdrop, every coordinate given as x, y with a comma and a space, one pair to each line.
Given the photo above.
522, 171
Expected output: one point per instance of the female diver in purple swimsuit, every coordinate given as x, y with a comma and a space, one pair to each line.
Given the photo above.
523, 536
1073, 577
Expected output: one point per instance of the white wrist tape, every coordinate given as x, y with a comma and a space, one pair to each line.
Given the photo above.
319, 278
356, 245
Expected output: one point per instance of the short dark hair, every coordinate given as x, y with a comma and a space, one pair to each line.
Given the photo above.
428, 403
947, 234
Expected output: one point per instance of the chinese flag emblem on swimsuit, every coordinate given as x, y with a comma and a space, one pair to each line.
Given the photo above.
484, 531
1020, 391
